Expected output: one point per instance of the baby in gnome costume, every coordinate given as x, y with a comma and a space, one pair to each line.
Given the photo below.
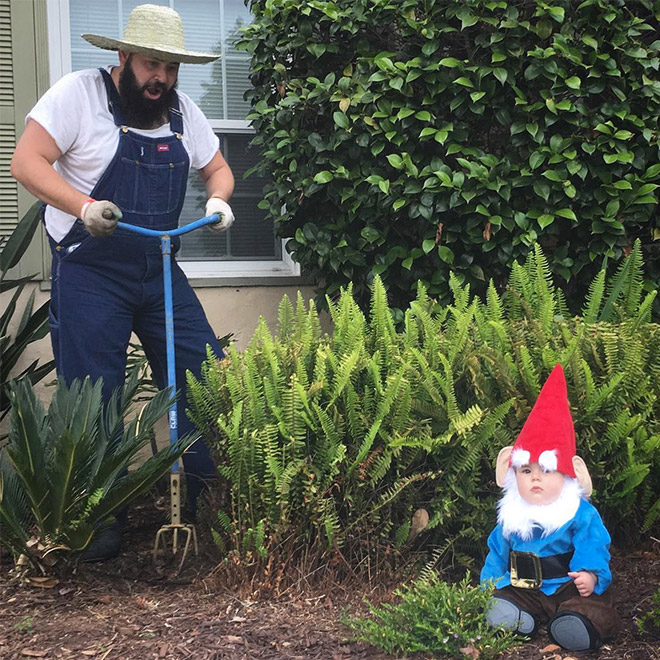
549, 553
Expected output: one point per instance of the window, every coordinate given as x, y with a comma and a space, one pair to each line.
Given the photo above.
249, 248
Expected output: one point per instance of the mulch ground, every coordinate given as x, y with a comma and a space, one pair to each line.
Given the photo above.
129, 609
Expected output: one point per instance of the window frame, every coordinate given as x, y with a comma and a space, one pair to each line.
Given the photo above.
202, 273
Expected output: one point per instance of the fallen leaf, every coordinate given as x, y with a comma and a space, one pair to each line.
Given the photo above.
44, 582
34, 654
438, 233
104, 599
570, 657
550, 648
418, 523
163, 651
470, 651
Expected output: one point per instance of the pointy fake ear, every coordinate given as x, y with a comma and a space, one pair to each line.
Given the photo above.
502, 466
583, 476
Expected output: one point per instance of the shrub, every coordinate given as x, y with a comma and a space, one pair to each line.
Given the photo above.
336, 441
33, 324
434, 617
320, 442
63, 473
412, 140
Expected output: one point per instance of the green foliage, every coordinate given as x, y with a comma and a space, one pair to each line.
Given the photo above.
613, 375
649, 621
32, 324
414, 140
333, 442
437, 618
63, 473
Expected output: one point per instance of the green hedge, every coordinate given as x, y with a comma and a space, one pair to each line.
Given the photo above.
414, 139
332, 442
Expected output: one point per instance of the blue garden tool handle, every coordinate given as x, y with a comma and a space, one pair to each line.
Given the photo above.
178, 231
166, 251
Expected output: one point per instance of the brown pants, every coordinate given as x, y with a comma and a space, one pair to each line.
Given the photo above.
598, 609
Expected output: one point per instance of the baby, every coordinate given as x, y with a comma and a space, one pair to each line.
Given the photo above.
549, 553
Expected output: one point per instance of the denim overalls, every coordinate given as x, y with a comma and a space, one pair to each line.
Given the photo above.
105, 288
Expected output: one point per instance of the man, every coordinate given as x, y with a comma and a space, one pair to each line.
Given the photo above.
115, 144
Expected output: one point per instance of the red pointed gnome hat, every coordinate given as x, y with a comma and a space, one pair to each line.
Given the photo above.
548, 436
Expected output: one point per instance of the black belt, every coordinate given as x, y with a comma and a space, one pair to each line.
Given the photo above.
529, 570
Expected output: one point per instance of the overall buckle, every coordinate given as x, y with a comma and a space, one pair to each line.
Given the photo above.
527, 564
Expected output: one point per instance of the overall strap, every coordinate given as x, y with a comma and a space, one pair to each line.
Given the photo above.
114, 102
176, 117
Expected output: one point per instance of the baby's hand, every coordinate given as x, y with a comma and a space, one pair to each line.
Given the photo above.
584, 581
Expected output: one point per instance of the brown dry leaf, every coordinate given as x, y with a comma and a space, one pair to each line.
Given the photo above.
163, 650
438, 233
418, 523
44, 582
486, 232
550, 648
470, 652
570, 657
31, 653
104, 599
146, 604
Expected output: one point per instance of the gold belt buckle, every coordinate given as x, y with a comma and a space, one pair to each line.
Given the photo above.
526, 583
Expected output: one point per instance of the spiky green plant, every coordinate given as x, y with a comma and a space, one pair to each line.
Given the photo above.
330, 438
65, 472
611, 357
16, 333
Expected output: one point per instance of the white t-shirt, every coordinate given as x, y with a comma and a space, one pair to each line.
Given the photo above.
74, 111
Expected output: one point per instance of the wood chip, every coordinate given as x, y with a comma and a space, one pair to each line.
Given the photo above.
32, 653
44, 582
550, 648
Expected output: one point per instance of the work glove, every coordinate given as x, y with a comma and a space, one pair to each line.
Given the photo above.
219, 206
100, 218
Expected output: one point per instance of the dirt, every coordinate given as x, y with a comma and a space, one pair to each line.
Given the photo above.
130, 609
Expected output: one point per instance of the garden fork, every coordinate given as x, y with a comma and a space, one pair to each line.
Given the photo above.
176, 526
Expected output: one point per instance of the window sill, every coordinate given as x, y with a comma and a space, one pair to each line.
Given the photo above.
222, 281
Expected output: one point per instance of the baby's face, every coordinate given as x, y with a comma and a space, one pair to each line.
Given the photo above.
538, 487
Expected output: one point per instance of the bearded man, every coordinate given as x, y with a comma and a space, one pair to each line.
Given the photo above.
117, 143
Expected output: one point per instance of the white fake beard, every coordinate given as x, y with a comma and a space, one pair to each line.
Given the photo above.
519, 517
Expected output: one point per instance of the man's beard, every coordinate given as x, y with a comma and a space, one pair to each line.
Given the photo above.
140, 111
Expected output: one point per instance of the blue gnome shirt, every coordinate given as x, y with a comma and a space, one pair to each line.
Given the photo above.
584, 535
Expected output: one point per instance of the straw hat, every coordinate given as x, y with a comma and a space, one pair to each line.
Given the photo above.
156, 32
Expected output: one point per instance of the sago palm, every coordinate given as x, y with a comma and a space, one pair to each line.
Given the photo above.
66, 472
